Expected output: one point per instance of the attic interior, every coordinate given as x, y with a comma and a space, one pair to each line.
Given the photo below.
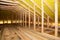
29, 19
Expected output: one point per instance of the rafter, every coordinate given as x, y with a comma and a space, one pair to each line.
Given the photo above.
40, 8
30, 7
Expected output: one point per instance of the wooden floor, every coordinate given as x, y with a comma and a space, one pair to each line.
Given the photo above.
20, 33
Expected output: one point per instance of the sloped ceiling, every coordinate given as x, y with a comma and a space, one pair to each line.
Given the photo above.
48, 6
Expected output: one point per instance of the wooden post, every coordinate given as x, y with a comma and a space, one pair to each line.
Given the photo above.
38, 21
47, 21
42, 1
21, 18
29, 18
56, 17
34, 18
25, 20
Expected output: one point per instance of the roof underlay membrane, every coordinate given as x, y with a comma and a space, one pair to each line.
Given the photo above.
49, 8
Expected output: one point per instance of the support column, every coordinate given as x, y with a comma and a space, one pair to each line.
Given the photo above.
11, 19
38, 21
56, 17
7, 20
25, 20
22, 18
42, 1
34, 18
29, 18
3, 21
16, 19
47, 21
